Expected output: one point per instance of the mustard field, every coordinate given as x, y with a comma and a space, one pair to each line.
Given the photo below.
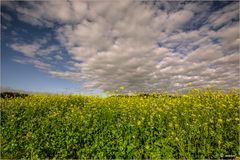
196, 125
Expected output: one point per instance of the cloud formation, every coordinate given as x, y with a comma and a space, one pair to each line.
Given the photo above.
142, 46
34, 49
28, 50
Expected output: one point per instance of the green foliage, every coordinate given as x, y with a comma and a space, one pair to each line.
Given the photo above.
197, 125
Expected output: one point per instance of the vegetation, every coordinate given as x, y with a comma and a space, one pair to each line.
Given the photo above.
196, 125
13, 95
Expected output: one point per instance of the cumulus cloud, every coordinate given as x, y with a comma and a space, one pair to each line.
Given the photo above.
229, 37
28, 50
35, 62
141, 46
34, 49
225, 15
48, 50
206, 53
178, 19
75, 76
58, 57
45, 13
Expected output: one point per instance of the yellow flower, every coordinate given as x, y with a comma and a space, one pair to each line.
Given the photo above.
220, 120
228, 120
147, 146
139, 123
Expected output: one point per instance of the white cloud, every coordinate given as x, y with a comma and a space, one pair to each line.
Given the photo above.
81, 53
138, 46
230, 59
185, 42
45, 13
66, 75
28, 50
206, 53
35, 62
48, 50
58, 57
178, 19
92, 35
41, 65
183, 36
229, 37
224, 15
34, 49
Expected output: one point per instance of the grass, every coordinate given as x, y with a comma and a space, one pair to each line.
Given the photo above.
197, 125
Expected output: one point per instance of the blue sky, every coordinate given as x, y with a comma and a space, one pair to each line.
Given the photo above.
98, 46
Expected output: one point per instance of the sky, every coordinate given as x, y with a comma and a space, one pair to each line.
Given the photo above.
93, 47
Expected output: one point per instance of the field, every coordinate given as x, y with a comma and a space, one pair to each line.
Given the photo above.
197, 125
